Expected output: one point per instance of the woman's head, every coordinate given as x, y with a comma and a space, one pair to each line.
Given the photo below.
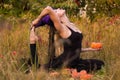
62, 16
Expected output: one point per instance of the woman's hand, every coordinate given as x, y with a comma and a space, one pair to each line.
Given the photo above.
90, 49
95, 49
35, 22
33, 36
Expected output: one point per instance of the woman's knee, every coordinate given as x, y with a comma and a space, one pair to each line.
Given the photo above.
49, 9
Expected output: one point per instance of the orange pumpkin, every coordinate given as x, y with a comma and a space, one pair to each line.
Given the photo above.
99, 45
96, 45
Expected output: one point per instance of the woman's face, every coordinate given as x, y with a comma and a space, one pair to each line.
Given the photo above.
60, 12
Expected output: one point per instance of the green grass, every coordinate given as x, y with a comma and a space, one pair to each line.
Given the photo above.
14, 36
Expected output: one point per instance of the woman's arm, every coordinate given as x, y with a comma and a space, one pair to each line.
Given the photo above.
89, 49
44, 21
44, 12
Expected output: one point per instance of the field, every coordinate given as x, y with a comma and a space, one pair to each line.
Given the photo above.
14, 46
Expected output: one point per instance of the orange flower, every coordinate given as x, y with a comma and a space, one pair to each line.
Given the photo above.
84, 75
75, 74
83, 72
96, 45
14, 52
1, 56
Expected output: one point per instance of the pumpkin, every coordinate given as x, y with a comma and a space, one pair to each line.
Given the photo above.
96, 45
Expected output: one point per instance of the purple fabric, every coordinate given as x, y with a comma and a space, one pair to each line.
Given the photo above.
45, 20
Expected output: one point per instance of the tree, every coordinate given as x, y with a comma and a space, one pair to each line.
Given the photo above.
94, 7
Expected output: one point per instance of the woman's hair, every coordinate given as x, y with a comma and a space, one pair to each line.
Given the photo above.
58, 44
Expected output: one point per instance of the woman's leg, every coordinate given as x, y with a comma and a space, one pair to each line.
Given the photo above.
56, 62
34, 56
53, 16
64, 60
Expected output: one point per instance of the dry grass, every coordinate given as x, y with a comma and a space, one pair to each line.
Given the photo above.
14, 45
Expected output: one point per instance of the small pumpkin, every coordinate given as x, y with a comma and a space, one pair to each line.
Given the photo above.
96, 45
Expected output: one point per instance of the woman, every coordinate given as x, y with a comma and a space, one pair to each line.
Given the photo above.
72, 36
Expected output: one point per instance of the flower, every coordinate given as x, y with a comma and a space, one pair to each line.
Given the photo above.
83, 72
84, 75
75, 74
1, 56
14, 52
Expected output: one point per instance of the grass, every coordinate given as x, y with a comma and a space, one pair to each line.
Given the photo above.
14, 45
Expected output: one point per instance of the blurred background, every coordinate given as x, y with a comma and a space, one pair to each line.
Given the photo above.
99, 20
